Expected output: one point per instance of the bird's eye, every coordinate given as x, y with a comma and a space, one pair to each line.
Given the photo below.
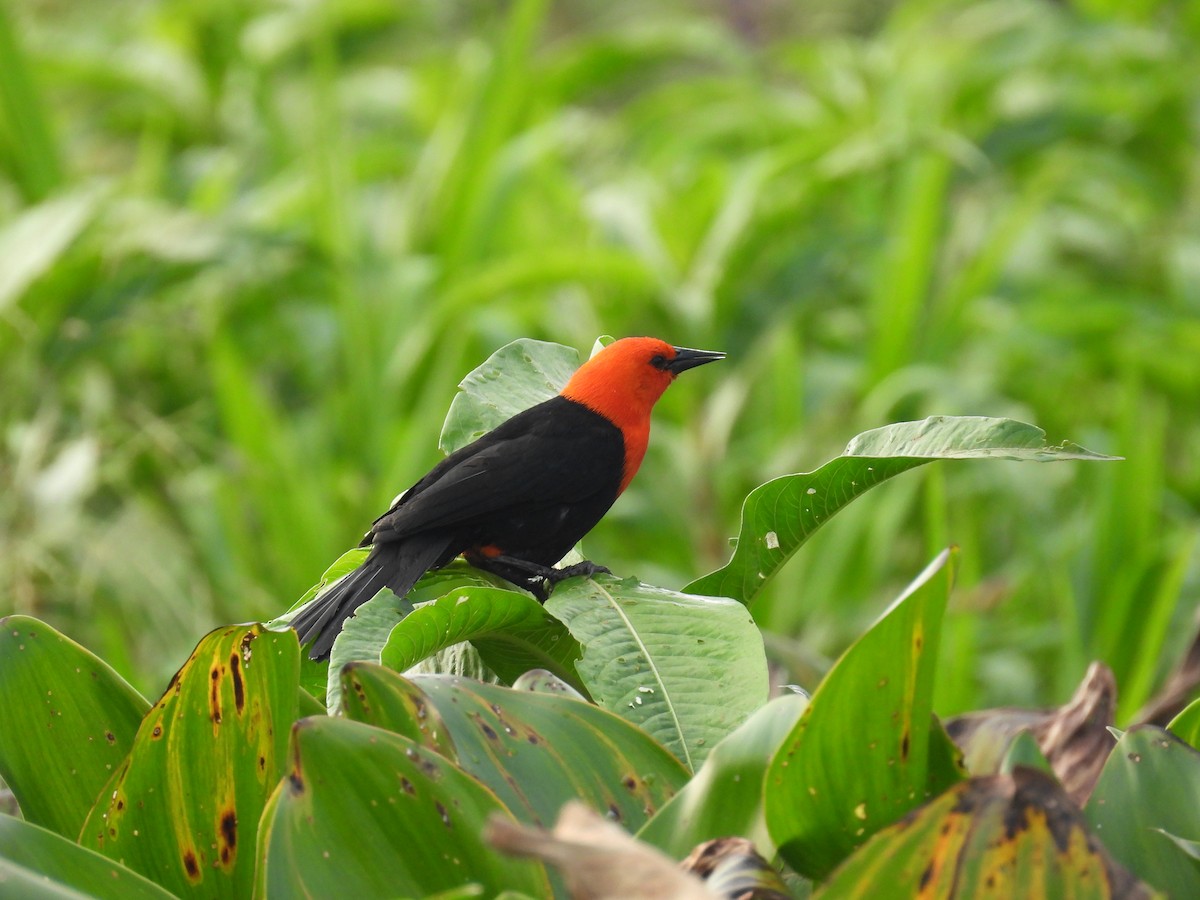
658, 361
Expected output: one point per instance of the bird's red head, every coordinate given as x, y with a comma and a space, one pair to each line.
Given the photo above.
623, 382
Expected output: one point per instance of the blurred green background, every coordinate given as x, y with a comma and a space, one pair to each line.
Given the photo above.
247, 250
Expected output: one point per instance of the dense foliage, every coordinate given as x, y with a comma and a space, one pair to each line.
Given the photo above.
646, 704
249, 248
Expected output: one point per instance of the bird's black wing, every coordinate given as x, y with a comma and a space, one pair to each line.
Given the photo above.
558, 452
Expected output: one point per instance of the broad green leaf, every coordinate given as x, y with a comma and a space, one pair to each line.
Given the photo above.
687, 669
1191, 848
64, 868
517, 376
367, 813
1012, 835
69, 720
779, 516
1186, 725
366, 634
535, 751
865, 753
1148, 792
362, 638
184, 806
19, 883
726, 796
511, 630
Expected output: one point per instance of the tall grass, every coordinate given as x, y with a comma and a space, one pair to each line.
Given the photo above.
251, 247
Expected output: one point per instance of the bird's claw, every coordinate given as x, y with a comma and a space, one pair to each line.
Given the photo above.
542, 588
585, 568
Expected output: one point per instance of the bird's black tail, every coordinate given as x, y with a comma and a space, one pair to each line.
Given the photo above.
395, 564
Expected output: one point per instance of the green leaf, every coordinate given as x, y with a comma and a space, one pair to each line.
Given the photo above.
1013, 835
35, 239
865, 752
1023, 750
779, 516
517, 376
688, 670
367, 813
535, 751
184, 806
1186, 725
512, 632
69, 720
1147, 792
368, 631
362, 638
62, 867
726, 796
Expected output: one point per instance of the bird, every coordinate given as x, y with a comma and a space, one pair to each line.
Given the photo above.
516, 500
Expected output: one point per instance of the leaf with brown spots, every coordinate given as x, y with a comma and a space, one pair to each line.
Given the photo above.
372, 814
184, 806
1014, 835
536, 751
68, 721
868, 749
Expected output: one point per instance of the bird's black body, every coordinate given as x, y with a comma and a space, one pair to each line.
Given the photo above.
515, 501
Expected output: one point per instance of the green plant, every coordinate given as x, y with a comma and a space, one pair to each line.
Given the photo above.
236, 782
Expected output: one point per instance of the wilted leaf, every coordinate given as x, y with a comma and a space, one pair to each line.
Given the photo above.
1074, 738
1147, 791
183, 808
1013, 835
367, 813
598, 860
69, 720
732, 869
868, 749
779, 516
1179, 689
535, 751
688, 670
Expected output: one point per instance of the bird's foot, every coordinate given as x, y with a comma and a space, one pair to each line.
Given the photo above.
539, 580
587, 568
550, 580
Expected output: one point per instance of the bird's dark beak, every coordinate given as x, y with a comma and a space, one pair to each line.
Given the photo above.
688, 359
